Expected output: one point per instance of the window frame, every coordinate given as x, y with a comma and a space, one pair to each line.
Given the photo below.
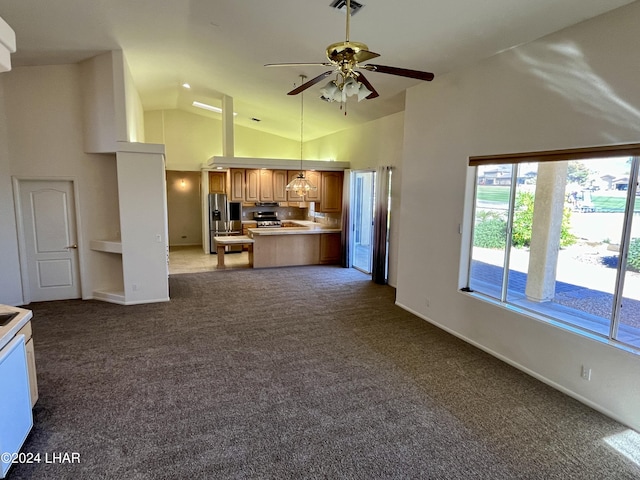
514, 160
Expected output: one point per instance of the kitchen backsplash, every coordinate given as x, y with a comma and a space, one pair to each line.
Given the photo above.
284, 213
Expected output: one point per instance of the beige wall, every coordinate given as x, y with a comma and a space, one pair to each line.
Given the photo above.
183, 200
572, 89
366, 147
191, 139
44, 129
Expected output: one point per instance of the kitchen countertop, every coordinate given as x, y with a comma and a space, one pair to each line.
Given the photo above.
9, 331
304, 227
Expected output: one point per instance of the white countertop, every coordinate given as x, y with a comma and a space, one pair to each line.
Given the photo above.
304, 227
9, 330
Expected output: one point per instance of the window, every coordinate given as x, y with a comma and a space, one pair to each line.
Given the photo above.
560, 237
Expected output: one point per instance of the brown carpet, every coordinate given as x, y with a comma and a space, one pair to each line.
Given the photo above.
293, 373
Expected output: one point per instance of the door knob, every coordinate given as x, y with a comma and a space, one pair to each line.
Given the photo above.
75, 245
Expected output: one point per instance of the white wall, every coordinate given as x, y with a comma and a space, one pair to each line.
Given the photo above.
134, 112
575, 88
143, 222
112, 106
368, 146
44, 122
10, 289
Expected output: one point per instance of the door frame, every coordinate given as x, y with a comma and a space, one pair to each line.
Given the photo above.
352, 207
22, 249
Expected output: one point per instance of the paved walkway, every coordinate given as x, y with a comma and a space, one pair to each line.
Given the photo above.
584, 292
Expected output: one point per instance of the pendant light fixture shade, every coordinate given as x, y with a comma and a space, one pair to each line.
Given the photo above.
300, 185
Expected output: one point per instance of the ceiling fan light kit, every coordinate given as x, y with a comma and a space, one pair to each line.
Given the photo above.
338, 92
346, 57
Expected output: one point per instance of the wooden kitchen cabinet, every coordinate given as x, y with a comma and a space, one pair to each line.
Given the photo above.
217, 182
291, 196
252, 185
314, 178
236, 185
330, 248
280, 180
266, 185
331, 192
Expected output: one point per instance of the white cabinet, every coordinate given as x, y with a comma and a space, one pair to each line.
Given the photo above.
31, 362
16, 418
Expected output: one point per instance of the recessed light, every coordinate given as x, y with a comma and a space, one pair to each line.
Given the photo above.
186, 85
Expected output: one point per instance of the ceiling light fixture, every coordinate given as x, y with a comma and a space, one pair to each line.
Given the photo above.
211, 108
186, 85
339, 89
300, 185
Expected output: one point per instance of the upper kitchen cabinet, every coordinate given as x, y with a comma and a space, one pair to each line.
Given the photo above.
292, 196
280, 181
315, 179
217, 182
266, 185
252, 185
236, 185
331, 192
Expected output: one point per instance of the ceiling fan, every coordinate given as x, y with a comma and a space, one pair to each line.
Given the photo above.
346, 58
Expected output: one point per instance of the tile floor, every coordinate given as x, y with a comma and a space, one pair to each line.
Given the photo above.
192, 260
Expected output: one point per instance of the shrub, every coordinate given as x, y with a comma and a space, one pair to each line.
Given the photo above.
523, 219
566, 237
490, 230
491, 227
633, 260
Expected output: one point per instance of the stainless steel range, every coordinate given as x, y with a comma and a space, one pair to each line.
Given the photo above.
267, 219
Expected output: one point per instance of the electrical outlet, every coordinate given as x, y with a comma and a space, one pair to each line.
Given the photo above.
134, 287
427, 302
158, 237
585, 373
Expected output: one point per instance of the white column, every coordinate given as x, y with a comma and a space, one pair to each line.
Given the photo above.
545, 235
227, 127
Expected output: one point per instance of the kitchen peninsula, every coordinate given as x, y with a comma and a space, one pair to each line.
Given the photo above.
303, 243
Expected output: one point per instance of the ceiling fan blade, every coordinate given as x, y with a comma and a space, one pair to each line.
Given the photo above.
364, 55
402, 72
325, 64
310, 83
362, 79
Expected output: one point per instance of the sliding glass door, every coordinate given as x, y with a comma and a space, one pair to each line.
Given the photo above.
362, 211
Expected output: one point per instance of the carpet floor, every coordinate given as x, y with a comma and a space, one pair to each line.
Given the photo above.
292, 373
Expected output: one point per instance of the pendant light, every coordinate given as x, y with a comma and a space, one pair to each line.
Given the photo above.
300, 185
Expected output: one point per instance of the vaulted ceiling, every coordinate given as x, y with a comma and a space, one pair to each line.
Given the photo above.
220, 47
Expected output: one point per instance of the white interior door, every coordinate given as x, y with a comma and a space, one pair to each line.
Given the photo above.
48, 223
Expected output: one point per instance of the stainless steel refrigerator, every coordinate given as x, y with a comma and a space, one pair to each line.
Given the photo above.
225, 218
